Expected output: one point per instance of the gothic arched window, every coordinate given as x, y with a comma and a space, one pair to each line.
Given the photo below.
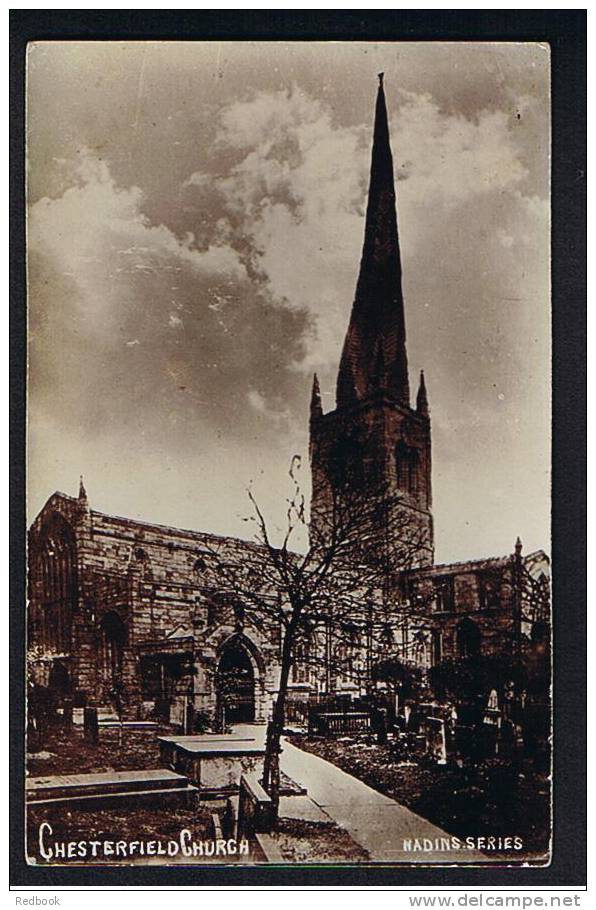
468, 639
57, 567
406, 467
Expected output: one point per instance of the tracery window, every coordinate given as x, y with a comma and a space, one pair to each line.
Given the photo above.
489, 590
406, 467
57, 567
444, 594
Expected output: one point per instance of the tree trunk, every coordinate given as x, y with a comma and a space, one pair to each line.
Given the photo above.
271, 774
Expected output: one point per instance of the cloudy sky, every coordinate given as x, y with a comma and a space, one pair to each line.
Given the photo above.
195, 224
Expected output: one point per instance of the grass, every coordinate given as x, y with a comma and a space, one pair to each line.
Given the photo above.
113, 826
316, 842
70, 754
490, 799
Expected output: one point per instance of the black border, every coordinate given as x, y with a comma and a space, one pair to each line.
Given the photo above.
565, 31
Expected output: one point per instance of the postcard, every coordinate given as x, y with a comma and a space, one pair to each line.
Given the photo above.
289, 389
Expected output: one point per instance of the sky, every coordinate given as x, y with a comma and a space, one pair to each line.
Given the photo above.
195, 223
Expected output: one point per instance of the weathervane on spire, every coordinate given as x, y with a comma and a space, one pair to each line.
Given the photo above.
380, 75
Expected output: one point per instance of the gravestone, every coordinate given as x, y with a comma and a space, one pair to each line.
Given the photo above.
436, 744
177, 711
379, 718
487, 735
67, 715
91, 726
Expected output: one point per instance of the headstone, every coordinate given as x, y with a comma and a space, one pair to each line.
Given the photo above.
67, 715
189, 716
487, 735
91, 726
146, 710
78, 715
506, 744
177, 711
380, 725
436, 744
228, 821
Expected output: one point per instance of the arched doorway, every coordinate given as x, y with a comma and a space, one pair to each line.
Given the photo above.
236, 683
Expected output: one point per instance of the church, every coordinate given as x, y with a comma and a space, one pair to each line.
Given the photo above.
115, 599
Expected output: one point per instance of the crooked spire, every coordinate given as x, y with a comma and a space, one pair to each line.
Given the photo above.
377, 321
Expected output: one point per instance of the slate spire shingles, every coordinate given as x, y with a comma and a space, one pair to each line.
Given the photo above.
377, 333
316, 407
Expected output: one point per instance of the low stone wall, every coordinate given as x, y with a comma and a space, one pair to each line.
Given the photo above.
255, 807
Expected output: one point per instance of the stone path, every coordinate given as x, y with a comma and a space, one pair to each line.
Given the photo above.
376, 822
385, 828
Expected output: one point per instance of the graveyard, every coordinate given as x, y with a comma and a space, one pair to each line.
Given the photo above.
114, 784
492, 798
93, 778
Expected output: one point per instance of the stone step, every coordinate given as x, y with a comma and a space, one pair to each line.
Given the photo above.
173, 797
73, 785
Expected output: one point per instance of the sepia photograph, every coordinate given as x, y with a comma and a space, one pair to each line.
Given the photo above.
288, 453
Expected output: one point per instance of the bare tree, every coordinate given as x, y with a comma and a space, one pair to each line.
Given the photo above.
338, 597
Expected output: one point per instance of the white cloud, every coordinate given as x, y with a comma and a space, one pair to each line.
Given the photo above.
298, 189
96, 230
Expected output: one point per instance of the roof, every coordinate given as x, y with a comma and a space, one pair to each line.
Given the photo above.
478, 565
151, 527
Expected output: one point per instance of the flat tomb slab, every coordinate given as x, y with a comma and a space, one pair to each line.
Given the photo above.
208, 738
103, 782
162, 797
238, 747
213, 762
128, 724
216, 768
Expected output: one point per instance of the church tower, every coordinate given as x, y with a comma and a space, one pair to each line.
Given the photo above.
374, 447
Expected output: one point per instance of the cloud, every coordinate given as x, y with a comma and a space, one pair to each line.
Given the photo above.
119, 302
293, 201
184, 278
